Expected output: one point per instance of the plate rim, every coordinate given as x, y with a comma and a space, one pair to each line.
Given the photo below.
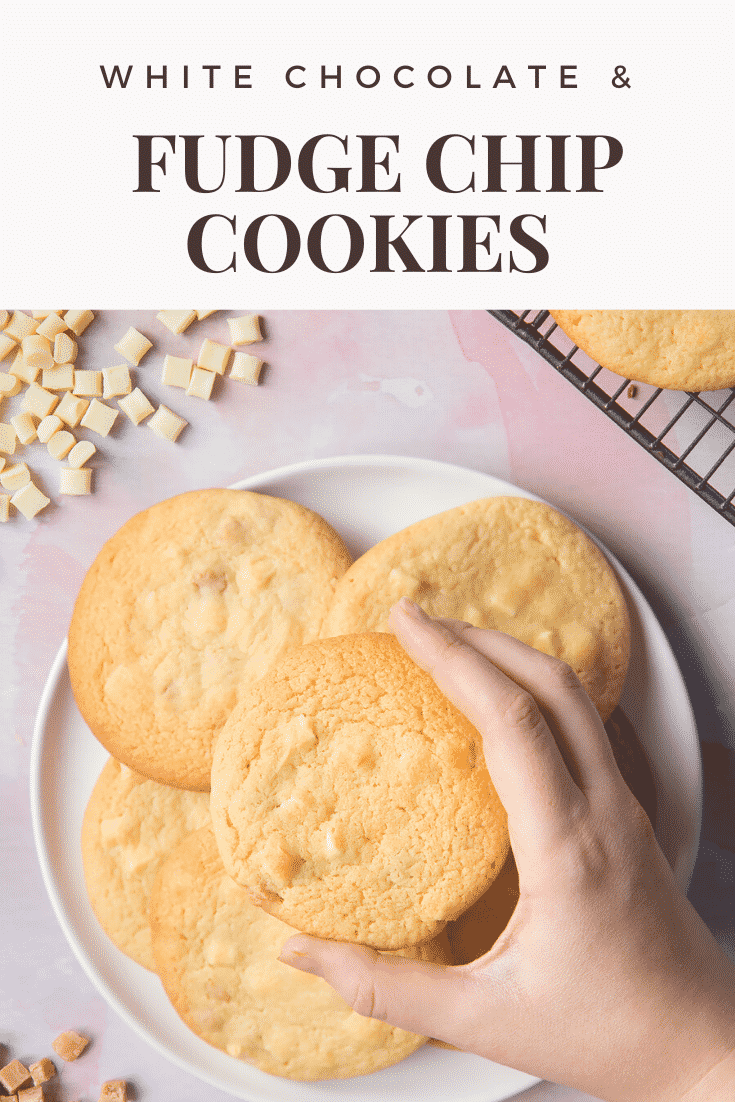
53, 681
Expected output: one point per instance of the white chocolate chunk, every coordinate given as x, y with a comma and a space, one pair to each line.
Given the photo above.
51, 326
20, 325
75, 481
88, 384
133, 346
14, 477
29, 500
99, 417
80, 453
39, 401
37, 351
78, 320
166, 423
71, 409
65, 349
60, 444
201, 383
4, 315
41, 314
202, 314
116, 381
48, 427
7, 344
176, 371
7, 438
136, 406
3, 461
60, 377
23, 371
245, 329
25, 427
213, 356
246, 368
4, 507
177, 320
9, 385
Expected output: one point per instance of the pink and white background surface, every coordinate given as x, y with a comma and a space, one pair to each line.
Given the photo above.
450, 386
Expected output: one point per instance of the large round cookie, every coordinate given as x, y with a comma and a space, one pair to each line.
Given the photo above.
130, 825
506, 563
678, 349
352, 799
216, 954
189, 602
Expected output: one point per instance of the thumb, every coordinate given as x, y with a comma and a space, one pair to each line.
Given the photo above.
434, 1000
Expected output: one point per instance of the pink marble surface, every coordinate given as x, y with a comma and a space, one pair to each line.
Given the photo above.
455, 387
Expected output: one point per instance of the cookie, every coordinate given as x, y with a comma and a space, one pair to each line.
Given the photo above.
130, 825
189, 602
677, 349
216, 954
352, 799
505, 563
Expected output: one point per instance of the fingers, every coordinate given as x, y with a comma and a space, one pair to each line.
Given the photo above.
433, 1000
521, 753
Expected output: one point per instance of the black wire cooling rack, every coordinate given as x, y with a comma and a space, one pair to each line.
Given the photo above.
692, 435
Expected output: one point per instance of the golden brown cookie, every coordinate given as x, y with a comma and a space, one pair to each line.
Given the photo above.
188, 603
678, 349
506, 563
130, 825
352, 799
216, 954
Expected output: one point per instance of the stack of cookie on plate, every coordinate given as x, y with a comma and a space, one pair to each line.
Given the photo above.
223, 637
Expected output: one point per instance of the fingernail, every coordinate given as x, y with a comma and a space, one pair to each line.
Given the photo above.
411, 609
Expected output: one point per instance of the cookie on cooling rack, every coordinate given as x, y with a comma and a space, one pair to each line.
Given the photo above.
216, 954
506, 563
130, 825
189, 602
677, 349
352, 799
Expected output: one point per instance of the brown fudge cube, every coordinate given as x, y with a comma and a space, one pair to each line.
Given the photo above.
69, 1045
43, 1070
14, 1075
32, 1094
114, 1090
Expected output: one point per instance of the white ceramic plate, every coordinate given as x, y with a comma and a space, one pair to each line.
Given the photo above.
365, 498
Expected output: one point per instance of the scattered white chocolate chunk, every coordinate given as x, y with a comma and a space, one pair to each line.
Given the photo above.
80, 453
51, 326
88, 384
47, 427
65, 349
4, 507
133, 346
201, 383
213, 356
246, 368
166, 423
177, 320
41, 314
75, 481
25, 427
60, 377
39, 401
202, 314
116, 381
29, 500
71, 409
20, 325
136, 406
7, 344
15, 477
4, 315
60, 444
99, 417
7, 438
37, 351
3, 461
176, 371
78, 320
27, 373
245, 329
9, 385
